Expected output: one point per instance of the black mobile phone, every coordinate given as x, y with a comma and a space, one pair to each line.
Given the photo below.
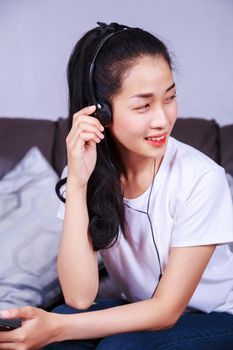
9, 325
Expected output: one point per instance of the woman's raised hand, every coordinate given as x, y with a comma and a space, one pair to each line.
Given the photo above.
81, 142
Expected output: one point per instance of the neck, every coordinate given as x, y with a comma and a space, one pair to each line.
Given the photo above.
137, 179
137, 169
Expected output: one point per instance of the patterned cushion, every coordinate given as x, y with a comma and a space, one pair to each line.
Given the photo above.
29, 234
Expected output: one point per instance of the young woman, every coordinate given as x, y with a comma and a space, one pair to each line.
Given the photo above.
158, 211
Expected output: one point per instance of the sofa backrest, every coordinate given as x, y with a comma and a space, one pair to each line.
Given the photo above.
200, 133
226, 148
17, 135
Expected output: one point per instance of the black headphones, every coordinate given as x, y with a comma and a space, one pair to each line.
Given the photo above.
103, 111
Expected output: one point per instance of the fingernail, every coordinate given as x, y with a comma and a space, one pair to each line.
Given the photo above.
4, 313
91, 107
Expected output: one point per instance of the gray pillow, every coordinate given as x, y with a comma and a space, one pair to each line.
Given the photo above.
29, 234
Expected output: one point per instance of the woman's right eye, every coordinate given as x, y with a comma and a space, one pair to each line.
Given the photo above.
143, 108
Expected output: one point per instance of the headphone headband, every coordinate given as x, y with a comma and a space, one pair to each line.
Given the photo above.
92, 65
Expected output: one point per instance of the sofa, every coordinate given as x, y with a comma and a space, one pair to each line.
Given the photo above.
18, 135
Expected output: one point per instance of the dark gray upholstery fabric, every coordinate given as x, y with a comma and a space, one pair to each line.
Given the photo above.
18, 135
226, 148
199, 133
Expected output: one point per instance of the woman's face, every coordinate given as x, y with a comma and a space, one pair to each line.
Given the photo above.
144, 110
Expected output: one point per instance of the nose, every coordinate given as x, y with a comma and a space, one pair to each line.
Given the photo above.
159, 119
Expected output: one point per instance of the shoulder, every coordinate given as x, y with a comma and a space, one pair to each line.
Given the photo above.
201, 198
190, 172
189, 164
190, 156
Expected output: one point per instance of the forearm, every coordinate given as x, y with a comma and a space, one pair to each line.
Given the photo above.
140, 316
77, 262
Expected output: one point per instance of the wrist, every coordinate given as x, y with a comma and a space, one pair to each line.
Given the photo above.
58, 328
63, 328
73, 185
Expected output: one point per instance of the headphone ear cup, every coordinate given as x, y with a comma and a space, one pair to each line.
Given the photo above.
103, 113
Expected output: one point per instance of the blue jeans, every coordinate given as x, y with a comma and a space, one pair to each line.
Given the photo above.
199, 331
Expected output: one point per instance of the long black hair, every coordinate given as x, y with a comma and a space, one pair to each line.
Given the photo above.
119, 54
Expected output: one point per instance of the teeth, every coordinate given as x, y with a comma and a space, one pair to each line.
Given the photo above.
155, 138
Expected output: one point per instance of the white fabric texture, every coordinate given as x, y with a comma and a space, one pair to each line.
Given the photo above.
29, 234
190, 205
230, 183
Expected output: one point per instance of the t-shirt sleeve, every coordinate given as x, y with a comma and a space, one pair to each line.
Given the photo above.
206, 216
61, 209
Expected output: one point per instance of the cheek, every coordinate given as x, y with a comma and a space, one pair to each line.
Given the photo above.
173, 112
124, 131
123, 124
118, 126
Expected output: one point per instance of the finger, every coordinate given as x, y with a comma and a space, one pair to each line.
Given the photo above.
85, 111
87, 119
23, 312
86, 137
10, 313
9, 336
8, 346
74, 135
89, 128
79, 142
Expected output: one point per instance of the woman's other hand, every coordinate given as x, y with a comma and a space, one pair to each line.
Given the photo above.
38, 329
81, 142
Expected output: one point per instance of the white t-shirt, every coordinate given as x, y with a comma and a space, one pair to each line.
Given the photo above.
190, 205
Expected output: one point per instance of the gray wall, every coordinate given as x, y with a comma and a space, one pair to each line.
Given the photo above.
36, 38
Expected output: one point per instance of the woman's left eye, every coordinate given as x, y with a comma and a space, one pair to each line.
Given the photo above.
171, 98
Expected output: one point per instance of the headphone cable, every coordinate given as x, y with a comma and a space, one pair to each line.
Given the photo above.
151, 226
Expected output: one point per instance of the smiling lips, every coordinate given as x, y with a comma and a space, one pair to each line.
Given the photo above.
157, 141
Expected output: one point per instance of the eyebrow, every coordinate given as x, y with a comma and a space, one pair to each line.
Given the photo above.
150, 94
